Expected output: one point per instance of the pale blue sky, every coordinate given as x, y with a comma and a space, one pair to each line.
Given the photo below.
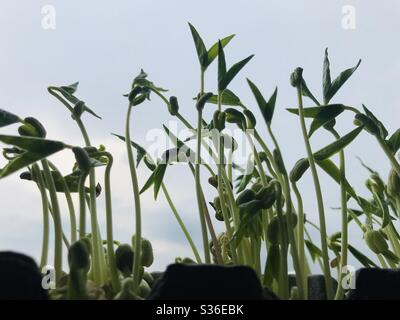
103, 44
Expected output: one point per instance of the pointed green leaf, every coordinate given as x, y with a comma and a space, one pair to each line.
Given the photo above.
307, 93
267, 108
228, 98
36, 149
202, 53
363, 259
333, 171
155, 178
337, 145
7, 118
394, 141
272, 267
141, 152
221, 66
88, 110
213, 51
324, 116
232, 72
382, 130
314, 251
312, 112
326, 77
340, 80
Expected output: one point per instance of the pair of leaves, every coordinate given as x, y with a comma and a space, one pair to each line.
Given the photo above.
68, 93
7, 118
155, 179
228, 98
206, 57
330, 88
35, 149
266, 107
226, 76
320, 115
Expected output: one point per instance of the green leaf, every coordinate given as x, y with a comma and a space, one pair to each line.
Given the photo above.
36, 149
324, 116
88, 110
141, 152
213, 51
333, 171
272, 267
228, 98
307, 93
232, 72
391, 256
155, 179
267, 108
7, 118
394, 141
314, 251
70, 89
221, 66
202, 53
363, 259
313, 112
382, 130
339, 81
337, 145
326, 77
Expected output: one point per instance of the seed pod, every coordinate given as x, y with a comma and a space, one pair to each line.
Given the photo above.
78, 255
133, 94
219, 120
335, 262
147, 256
299, 169
375, 241
363, 120
296, 77
213, 180
273, 231
251, 119
26, 176
203, 100
245, 196
82, 158
393, 184
267, 196
144, 289
139, 100
40, 131
379, 185
173, 106
235, 116
124, 259
251, 207
279, 161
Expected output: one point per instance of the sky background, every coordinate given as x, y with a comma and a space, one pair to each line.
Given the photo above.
103, 45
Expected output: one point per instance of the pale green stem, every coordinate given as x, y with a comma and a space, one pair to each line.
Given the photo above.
45, 207
57, 220
181, 224
136, 194
321, 211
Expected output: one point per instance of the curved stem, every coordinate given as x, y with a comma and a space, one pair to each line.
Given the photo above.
198, 187
344, 241
136, 195
321, 211
70, 203
57, 220
45, 207
181, 224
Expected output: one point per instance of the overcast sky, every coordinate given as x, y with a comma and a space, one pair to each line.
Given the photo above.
103, 44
